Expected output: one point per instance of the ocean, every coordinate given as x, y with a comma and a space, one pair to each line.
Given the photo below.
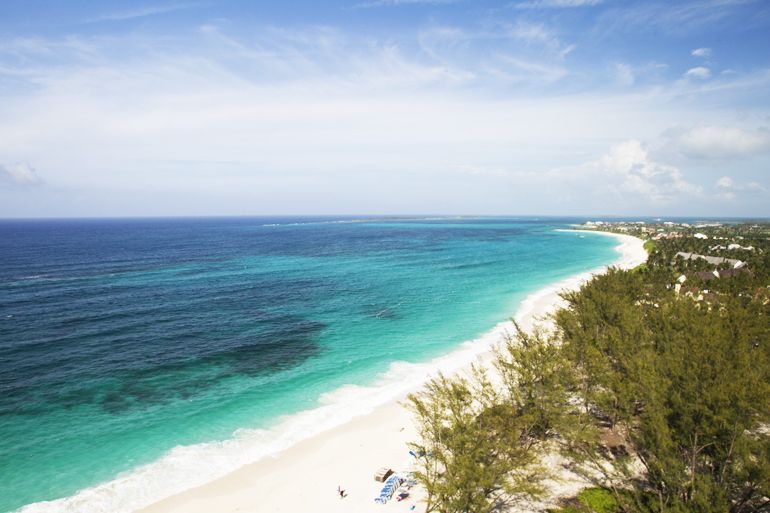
143, 356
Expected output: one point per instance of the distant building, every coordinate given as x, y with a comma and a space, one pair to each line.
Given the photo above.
728, 273
701, 236
711, 259
708, 275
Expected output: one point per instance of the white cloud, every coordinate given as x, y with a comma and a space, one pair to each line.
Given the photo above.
481, 170
538, 34
493, 53
728, 189
514, 69
754, 186
725, 182
702, 52
624, 74
315, 120
533, 33
629, 168
673, 18
19, 174
720, 142
142, 12
699, 72
386, 3
543, 4
645, 73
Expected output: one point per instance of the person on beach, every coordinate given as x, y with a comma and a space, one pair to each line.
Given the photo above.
341, 492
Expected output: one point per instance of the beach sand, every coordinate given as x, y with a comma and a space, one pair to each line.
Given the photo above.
305, 477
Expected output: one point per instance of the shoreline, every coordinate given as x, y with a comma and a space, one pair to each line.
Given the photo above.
305, 475
353, 431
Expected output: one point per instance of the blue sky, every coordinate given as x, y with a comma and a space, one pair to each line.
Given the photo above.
587, 107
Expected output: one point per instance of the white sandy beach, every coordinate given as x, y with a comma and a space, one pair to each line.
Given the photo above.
305, 477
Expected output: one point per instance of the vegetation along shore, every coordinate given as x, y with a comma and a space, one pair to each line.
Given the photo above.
652, 383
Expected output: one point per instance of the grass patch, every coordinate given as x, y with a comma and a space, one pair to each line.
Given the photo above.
590, 500
598, 500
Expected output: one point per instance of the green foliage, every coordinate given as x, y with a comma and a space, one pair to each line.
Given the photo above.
481, 436
709, 393
591, 500
603, 335
598, 500
649, 245
536, 378
686, 385
473, 446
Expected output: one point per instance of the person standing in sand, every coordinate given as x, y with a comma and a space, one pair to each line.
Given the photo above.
341, 492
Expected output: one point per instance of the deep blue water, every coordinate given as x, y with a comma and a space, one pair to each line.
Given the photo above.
121, 339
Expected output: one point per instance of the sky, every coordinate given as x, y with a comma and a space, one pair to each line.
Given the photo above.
520, 107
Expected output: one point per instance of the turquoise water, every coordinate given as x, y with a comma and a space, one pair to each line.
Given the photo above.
122, 339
